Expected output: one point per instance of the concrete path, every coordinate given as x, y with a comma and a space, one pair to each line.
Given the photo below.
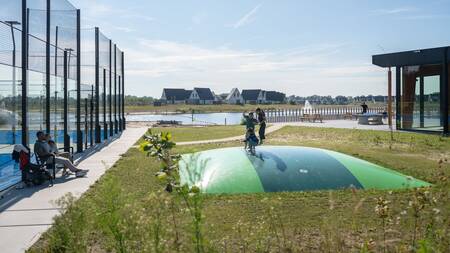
26, 214
343, 124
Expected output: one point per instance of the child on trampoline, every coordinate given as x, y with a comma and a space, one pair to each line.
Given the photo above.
251, 141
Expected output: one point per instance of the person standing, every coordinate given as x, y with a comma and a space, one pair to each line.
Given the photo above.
261, 115
364, 108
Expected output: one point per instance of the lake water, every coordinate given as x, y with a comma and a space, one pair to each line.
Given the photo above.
231, 118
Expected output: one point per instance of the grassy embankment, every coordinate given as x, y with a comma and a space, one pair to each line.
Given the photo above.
127, 210
184, 108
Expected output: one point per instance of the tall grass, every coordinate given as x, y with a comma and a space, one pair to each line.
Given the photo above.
128, 210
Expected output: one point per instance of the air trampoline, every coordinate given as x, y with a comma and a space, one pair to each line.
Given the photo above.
286, 168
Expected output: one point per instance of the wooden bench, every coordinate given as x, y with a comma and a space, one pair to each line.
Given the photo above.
348, 115
311, 117
370, 119
168, 122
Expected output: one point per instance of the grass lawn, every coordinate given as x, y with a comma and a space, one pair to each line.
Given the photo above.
127, 210
180, 134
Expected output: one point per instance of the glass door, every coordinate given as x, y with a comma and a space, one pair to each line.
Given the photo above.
427, 104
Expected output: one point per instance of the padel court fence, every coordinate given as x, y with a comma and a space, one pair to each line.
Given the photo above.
55, 77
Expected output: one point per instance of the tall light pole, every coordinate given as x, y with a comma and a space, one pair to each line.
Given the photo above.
69, 51
11, 25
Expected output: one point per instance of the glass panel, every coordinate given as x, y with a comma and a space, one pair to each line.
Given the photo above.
420, 98
57, 110
432, 103
36, 104
10, 128
87, 115
72, 111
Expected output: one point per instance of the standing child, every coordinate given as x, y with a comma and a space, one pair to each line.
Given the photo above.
252, 141
250, 122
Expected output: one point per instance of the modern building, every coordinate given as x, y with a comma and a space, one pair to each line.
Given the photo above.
234, 97
175, 96
421, 86
201, 96
57, 78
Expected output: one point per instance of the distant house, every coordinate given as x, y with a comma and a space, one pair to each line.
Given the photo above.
253, 96
234, 97
201, 96
175, 96
224, 96
217, 99
275, 97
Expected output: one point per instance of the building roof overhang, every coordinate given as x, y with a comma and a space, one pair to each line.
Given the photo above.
411, 58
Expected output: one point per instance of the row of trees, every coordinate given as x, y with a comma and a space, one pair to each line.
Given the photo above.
137, 101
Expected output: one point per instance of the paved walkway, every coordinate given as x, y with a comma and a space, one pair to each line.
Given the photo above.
345, 124
26, 214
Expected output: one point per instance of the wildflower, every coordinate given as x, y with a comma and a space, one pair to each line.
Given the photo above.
382, 208
436, 211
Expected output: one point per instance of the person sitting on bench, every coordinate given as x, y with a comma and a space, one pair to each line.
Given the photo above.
54, 148
43, 150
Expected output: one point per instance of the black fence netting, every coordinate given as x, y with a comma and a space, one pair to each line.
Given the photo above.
68, 109
63, 36
87, 56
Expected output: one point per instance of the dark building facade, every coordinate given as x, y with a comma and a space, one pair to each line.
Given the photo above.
422, 88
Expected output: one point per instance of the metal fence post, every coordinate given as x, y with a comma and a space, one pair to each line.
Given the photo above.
78, 123
24, 72
123, 92
116, 129
119, 99
47, 70
111, 125
105, 124
66, 133
97, 88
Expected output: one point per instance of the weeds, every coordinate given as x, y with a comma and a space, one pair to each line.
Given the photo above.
160, 146
129, 209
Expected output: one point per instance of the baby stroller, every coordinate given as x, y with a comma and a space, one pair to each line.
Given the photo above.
251, 141
32, 174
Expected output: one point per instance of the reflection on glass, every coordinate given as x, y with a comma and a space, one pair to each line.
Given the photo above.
36, 104
420, 98
10, 124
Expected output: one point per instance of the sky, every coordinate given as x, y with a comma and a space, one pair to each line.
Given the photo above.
297, 47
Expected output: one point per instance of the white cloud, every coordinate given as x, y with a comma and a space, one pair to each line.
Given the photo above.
247, 18
155, 64
393, 11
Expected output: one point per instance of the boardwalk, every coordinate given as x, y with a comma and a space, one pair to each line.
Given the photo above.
26, 214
